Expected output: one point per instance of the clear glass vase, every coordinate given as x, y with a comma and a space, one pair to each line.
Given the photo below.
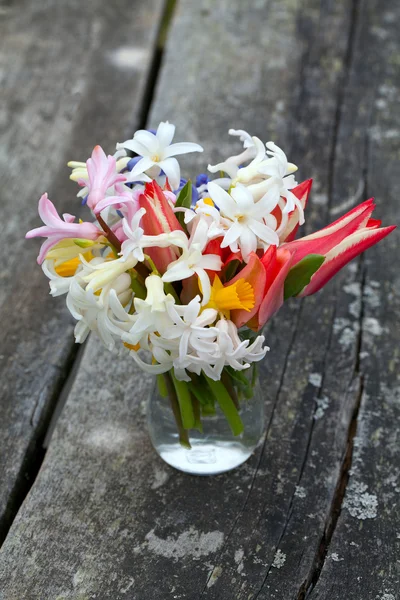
229, 424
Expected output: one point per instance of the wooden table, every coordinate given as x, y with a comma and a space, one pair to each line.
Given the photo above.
94, 513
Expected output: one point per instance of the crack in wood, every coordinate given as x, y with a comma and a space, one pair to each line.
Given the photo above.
344, 474
162, 36
36, 450
306, 453
348, 59
337, 502
277, 395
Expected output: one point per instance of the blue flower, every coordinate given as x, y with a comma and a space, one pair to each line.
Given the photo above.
201, 179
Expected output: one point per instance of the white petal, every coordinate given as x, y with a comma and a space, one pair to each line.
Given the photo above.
142, 165
134, 146
212, 262
247, 243
226, 167
181, 374
205, 285
223, 200
232, 235
243, 198
181, 148
183, 344
192, 310
165, 133
289, 182
156, 369
148, 140
263, 232
177, 271
170, 166
207, 317
269, 200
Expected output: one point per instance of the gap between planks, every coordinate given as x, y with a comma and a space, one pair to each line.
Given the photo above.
36, 452
358, 380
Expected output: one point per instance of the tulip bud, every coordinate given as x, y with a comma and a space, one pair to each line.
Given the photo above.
159, 218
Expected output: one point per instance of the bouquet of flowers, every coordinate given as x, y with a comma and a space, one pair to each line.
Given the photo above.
183, 275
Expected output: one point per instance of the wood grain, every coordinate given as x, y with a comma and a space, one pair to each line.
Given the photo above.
363, 557
73, 75
106, 518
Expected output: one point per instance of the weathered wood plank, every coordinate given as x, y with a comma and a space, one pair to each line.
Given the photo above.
72, 74
363, 558
106, 518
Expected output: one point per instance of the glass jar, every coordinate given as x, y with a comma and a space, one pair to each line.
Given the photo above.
211, 448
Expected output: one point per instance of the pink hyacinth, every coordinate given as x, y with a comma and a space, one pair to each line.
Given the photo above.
102, 171
56, 228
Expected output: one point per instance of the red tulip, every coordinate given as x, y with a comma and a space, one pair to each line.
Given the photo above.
339, 243
276, 262
159, 218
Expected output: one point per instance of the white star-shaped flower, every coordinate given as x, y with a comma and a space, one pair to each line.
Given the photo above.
193, 261
157, 150
246, 221
281, 182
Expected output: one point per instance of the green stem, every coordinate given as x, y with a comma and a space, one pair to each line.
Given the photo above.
183, 434
185, 402
152, 265
162, 386
227, 381
227, 405
110, 235
197, 414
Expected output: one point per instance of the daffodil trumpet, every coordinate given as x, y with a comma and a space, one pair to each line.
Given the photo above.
182, 275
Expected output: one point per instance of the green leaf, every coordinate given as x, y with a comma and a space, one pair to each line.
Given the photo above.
231, 269
169, 288
238, 376
184, 200
227, 405
138, 289
300, 275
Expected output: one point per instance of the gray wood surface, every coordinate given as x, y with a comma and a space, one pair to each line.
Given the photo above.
363, 558
72, 74
105, 517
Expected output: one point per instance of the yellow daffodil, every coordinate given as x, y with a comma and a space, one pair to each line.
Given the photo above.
239, 295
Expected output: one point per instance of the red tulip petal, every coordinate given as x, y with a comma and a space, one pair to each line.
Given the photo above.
276, 273
339, 256
322, 241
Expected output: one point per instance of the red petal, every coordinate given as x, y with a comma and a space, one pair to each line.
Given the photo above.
339, 256
162, 213
279, 263
322, 241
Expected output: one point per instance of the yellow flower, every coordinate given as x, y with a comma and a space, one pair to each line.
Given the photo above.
238, 295
68, 268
